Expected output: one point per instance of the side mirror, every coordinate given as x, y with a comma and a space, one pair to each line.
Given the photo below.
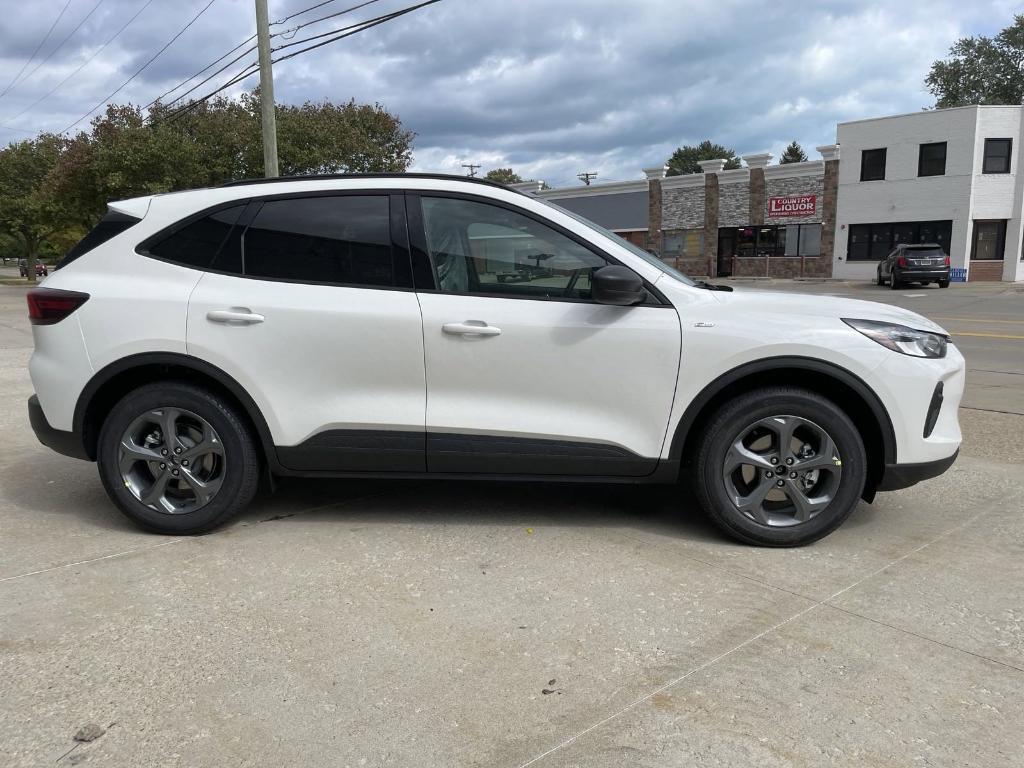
617, 285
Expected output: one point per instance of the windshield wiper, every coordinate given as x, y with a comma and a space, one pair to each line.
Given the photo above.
712, 286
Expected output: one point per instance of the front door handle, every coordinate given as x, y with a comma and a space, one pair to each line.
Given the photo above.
234, 316
471, 328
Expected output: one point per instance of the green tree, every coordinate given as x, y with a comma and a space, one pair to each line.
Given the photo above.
684, 159
29, 212
504, 176
794, 153
981, 70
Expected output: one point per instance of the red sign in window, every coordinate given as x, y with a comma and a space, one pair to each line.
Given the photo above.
799, 205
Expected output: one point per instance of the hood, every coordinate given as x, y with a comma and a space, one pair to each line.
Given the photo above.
801, 304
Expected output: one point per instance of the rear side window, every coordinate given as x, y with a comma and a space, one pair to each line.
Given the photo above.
344, 239
212, 242
111, 225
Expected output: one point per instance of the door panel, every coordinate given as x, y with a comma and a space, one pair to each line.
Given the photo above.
324, 359
558, 373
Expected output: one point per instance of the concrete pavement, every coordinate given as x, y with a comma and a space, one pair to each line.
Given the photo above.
464, 624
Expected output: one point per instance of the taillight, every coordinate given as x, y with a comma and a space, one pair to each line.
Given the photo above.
47, 306
901, 261
947, 261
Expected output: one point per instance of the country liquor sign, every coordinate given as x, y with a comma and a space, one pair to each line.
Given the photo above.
798, 205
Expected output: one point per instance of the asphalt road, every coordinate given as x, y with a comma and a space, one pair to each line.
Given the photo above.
461, 624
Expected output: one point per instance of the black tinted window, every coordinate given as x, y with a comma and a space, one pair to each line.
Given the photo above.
111, 225
211, 242
997, 156
343, 240
931, 159
872, 165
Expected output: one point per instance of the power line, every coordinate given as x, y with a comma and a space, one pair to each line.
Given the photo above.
84, 63
322, 18
143, 67
250, 49
62, 42
253, 67
41, 44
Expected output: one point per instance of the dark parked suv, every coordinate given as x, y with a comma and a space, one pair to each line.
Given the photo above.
918, 263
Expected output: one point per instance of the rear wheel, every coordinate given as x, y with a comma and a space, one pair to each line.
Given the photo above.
879, 279
780, 467
893, 282
943, 283
176, 459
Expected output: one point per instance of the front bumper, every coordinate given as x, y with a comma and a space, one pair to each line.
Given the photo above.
67, 443
897, 476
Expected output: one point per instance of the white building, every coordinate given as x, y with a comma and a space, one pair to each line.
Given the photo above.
950, 176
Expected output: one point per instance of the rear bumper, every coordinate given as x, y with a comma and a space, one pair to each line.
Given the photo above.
897, 476
67, 443
921, 273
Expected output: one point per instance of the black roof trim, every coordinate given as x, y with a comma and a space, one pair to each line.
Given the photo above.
325, 176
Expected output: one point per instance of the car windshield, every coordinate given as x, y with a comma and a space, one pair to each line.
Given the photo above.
647, 256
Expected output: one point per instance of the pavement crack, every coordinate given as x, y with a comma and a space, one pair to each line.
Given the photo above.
90, 560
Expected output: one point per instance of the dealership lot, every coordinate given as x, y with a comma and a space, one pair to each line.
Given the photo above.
387, 623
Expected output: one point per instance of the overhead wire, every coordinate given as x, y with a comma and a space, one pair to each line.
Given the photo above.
84, 63
252, 68
143, 67
40, 45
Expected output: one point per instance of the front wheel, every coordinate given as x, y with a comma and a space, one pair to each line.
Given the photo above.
177, 459
780, 467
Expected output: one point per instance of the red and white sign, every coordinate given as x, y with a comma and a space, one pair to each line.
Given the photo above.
799, 205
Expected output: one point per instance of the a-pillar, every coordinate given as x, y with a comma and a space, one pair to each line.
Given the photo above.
654, 177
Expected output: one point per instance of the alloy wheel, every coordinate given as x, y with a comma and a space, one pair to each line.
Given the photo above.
782, 471
171, 460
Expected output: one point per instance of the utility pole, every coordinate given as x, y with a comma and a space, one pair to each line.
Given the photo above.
586, 177
269, 119
472, 169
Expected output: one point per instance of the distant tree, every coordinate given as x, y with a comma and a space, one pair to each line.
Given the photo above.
504, 176
981, 70
684, 160
29, 211
794, 154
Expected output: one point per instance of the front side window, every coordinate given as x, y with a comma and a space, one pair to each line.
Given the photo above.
481, 248
997, 156
931, 160
210, 242
338, 240
872, 165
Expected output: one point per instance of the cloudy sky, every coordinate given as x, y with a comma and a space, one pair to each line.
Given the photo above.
549, 87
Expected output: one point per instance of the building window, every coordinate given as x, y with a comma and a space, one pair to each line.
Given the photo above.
997, 156
931, 160
683, 243
771, 240
872, 164
989, 240
872, 242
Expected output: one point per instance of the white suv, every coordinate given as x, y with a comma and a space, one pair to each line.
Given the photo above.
430, 326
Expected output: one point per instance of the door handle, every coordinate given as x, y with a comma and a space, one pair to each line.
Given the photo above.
471, 328
234, 316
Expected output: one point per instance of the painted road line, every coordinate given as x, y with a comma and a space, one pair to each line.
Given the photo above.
987, 335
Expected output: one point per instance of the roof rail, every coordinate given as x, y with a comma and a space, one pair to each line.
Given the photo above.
322, 176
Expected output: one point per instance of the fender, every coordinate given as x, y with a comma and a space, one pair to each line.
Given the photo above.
787, 363
178, 360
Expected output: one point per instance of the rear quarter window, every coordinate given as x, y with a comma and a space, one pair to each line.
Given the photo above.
110, 226
211, 242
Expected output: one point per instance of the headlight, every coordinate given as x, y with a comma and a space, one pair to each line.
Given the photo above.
900, 338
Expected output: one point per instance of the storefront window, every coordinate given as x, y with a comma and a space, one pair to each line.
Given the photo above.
872, 242
783, 240
672, 244
810, 239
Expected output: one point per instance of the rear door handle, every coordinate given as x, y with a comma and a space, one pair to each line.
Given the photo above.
471, 328
234, 316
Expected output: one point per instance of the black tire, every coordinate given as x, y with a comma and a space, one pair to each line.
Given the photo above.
894, 284
239, 471
730, 422
943, 283
880, 280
